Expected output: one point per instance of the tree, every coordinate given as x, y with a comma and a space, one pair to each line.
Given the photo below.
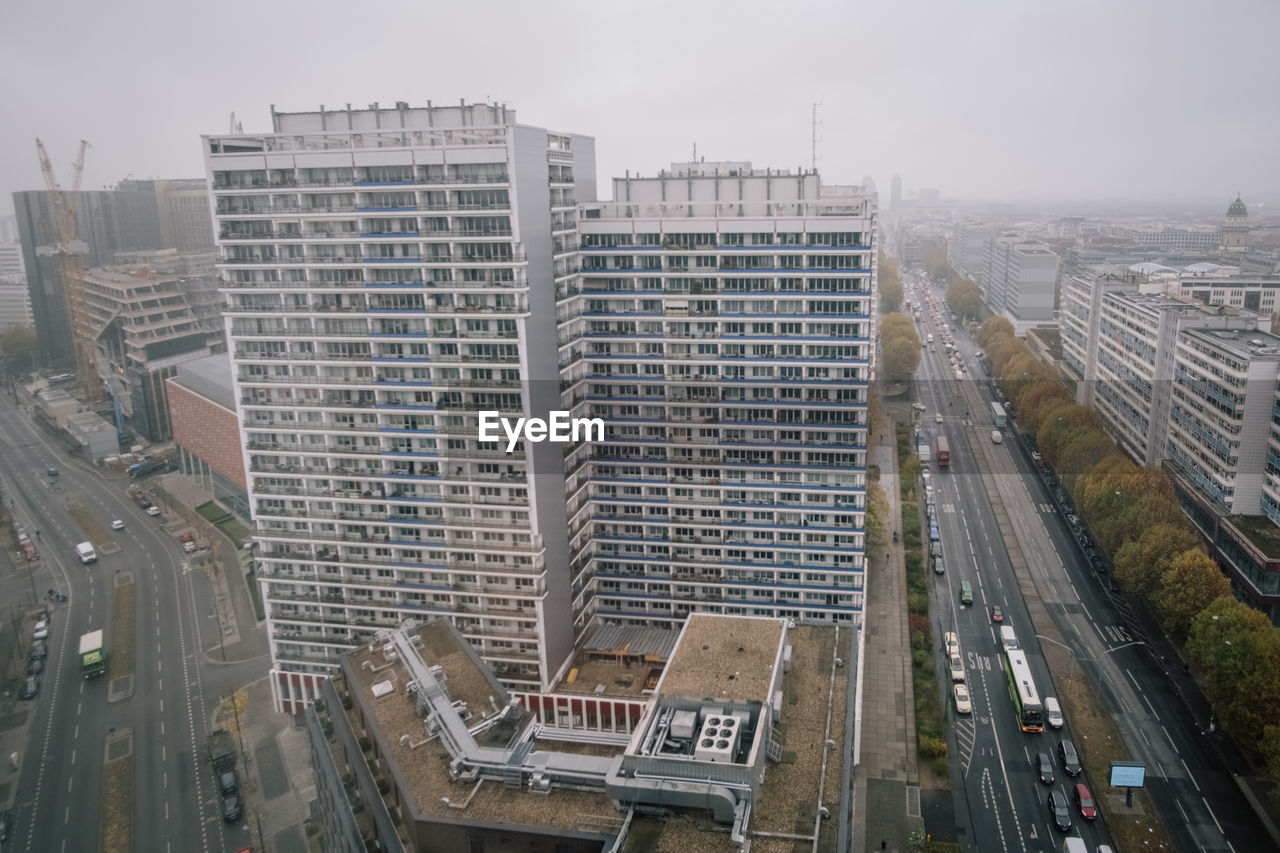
889, 284
1237, 655
1191, 583
897, 325
965, 299
936, 264
1036, 399
1141, 561
901, 358
994, 327
18, 345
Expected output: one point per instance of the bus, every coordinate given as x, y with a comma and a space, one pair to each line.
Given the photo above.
998, 417
1022, 689
92, 661
944, 452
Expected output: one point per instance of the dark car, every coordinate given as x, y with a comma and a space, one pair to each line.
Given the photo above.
52, 472
1084, 802
228, 783
232, 811
39, 649
1070, 760
1044, 765
30, 688
1059, 811
35, 666
997, 615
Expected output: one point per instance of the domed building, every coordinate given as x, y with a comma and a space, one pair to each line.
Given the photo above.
1235, 231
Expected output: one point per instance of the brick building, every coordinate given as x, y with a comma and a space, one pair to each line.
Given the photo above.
202, 410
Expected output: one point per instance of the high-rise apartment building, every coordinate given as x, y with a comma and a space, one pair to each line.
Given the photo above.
723, 333
392, 272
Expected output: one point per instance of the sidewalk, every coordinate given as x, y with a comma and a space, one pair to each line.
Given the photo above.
886, 793
279, 782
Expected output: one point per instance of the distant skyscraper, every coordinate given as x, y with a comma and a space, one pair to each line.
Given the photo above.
127, 218
895, 192
868, 183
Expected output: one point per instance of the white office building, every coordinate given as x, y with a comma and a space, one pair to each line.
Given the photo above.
724, 333
1224, 394
390, 273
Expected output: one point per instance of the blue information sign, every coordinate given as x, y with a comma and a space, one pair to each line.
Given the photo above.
1127, 774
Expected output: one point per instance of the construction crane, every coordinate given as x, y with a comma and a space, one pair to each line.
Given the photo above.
64, 206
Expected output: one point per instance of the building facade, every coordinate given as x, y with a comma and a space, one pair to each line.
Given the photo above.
723, 332
206, 432
392, 272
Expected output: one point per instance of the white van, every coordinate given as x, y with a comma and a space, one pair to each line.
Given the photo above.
1008, 639
1074, 845
1052, 712
996, 437
86, 552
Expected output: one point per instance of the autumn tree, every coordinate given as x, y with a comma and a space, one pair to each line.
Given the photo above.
994, 327
1141, 561
18, 346
899, 347
1036, 398
889, 284
965, 299
1191, 583
1236, 652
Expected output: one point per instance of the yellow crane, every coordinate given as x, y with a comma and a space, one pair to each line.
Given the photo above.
64, 206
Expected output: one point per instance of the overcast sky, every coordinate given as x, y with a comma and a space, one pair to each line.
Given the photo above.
1159, 99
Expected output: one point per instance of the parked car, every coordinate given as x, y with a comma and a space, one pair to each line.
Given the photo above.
232, 811
1059, 811
1044, 766
952, 642
153, 510
35, 666
1084, 802
39, 649
228, 783
964, 705
30, 687
957, 668
1070, 759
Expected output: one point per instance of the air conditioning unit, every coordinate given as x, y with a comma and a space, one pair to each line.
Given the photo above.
718, 741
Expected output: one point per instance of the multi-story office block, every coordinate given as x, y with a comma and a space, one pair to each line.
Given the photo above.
1135, 363
15, 303
390, 273
966, 249
724, 334
1019, 280
1223, 398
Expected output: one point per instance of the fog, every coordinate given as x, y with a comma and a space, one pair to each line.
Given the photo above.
1166, 102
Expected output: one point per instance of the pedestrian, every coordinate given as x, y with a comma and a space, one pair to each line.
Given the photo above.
884, 844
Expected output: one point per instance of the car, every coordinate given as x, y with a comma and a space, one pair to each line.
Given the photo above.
1070, 759
997, 615
933, 533
117, 525
39, 649
153, 510
35, 666
30, 688
938, 417
41, 630
939, 567
232, 811
1084, 802
1059, 812
52, 472
964, 705
1044, 767
919, 407
957, 668
228, 783
951, 641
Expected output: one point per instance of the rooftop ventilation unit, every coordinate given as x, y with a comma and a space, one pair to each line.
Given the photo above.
718, 740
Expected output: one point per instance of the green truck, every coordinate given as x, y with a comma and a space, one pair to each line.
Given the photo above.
93, 661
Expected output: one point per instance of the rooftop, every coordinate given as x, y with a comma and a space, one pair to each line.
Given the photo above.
725, 657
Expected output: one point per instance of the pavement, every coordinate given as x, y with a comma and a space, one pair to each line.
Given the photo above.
887, 780
276, 764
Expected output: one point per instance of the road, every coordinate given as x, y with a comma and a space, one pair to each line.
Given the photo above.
1196, 798
58, 806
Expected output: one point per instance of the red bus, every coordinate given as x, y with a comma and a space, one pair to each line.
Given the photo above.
944, 452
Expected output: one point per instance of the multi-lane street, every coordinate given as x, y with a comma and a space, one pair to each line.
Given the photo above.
175, 806
989, 498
